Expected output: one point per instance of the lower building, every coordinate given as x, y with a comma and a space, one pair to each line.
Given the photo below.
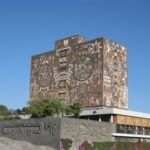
130, 125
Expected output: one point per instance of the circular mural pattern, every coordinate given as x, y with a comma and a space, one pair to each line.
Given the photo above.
44, 75
82, 68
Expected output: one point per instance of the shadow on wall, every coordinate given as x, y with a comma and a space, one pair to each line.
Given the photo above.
9, 144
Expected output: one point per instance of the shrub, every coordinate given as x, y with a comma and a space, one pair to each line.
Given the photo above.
125, 146
67, 143
45, 107
102, 145
11, 118
146, 146
4, 110
76, 109
120, 146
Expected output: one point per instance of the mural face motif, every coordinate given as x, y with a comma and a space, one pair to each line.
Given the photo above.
85, 82
93, 72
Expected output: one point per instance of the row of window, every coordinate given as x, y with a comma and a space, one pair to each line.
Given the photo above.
62, 77
128, 129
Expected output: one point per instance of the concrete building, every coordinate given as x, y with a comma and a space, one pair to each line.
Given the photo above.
94, 73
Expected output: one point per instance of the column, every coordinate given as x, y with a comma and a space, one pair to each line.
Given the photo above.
111, 119
99, 118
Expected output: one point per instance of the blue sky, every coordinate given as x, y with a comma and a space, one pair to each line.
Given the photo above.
29, 27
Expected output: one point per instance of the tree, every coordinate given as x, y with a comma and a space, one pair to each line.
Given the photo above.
45, 107
68, 110
55, 107
37, 107
18, 111
4, 110
76, 109
25, 110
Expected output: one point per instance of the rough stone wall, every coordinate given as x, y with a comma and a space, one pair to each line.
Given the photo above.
46, 133
35, 131
93, 72
86, 130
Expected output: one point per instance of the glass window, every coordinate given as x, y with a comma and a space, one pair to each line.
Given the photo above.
130, 129
139, 130
121, 128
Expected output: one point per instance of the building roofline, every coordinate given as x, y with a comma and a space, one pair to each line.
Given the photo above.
84, 42
43, 53
114, 111
68, 37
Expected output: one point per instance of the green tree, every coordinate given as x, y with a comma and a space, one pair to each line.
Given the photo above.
4, 110
25, 110
76, 109
45, 107
37, 107
68, 110
55, 107
17, 111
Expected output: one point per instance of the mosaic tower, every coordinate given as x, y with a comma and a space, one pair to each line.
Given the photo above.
92, 72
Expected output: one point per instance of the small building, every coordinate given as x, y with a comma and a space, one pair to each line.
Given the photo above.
130, 125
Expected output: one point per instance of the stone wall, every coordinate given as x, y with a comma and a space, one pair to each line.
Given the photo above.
79, 130
36, 131
48, 132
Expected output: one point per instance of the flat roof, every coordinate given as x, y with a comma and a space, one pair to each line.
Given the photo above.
114, 111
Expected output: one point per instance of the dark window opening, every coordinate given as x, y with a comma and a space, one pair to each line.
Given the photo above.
105, 118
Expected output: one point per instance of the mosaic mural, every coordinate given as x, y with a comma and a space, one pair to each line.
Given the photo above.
115, 75
92, 72
42, 76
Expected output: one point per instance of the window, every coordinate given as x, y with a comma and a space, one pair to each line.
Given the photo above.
121, 128
139, 130
130, 129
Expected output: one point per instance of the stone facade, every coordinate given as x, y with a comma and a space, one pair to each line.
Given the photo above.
36, 131
79, 130
49, 131
92, 72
